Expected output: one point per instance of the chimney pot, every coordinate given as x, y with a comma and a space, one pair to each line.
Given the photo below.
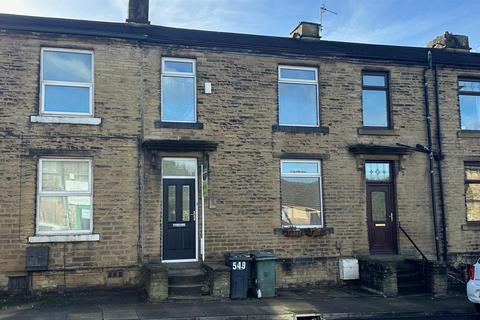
452, 42
138, 11
306, 30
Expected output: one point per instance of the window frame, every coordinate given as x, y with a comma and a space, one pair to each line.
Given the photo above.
468, 182
41, 193
303, 175
89, 85
465, 93
299, 81
180, 75
385, 88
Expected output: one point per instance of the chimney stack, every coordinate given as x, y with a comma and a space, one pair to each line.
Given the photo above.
138, 11
452, 42
306, 30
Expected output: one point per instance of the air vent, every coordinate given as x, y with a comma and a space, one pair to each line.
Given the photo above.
17, 285
115, 274
37, 259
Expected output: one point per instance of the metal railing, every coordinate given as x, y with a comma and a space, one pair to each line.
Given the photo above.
412, 242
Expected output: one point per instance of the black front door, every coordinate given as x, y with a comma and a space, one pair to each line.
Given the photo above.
179, 219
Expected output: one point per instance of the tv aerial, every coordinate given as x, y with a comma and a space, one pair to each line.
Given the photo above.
323, 9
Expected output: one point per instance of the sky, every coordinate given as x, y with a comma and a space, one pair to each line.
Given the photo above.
396, 22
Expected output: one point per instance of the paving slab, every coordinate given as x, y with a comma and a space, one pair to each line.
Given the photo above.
85, 316
329, 303
120, 313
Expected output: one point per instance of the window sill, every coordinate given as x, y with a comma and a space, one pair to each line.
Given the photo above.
378, 132
178, 125
297, 129
468, 133
471, 226
64, 238
303, 231
66, 120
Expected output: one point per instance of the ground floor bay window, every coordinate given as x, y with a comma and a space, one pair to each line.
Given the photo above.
301, 193
64, 198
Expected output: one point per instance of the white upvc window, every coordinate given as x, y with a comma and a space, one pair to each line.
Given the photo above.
301, 193
66, 82
178, 90
298, 96
64, 196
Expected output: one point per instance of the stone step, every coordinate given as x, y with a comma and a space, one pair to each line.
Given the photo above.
410, 275
185, 272
192, 279
182, 266
186, 290
411, 288
407, 267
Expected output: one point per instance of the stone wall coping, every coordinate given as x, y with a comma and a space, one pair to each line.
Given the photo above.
155, 267
63, 238
216, 266
66, 120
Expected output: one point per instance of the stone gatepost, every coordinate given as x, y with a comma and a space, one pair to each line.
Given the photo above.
156, 282
219, 279
379, 276
437, 278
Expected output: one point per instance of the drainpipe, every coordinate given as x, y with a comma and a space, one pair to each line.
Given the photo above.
439, 158
428, 120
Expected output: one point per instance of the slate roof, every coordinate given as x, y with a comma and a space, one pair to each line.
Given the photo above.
236, 41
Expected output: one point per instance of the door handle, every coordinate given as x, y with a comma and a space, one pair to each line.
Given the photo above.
391, 216
193, 214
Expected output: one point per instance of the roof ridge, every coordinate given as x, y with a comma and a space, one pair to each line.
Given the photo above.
274, 45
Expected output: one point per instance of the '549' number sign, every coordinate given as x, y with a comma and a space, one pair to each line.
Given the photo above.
239, 265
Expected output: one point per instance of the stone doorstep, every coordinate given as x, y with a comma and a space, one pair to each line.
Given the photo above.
185, 281
384, 270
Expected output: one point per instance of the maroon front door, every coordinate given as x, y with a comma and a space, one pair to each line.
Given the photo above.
380, 208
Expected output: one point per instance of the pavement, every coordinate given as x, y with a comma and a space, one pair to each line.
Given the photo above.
319, 303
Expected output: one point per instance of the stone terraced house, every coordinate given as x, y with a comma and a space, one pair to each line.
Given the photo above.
128, 150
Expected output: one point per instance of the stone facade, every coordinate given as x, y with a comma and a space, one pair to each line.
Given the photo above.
242, 210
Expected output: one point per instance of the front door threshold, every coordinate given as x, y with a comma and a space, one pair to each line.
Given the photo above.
179, 260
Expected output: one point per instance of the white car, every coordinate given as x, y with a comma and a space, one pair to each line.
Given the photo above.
473, 285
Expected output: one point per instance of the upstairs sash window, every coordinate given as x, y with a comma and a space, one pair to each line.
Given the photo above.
178, 90
469, 100
376, 113
298, 96
66, 82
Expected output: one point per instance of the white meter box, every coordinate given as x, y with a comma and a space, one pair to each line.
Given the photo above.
349, 269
